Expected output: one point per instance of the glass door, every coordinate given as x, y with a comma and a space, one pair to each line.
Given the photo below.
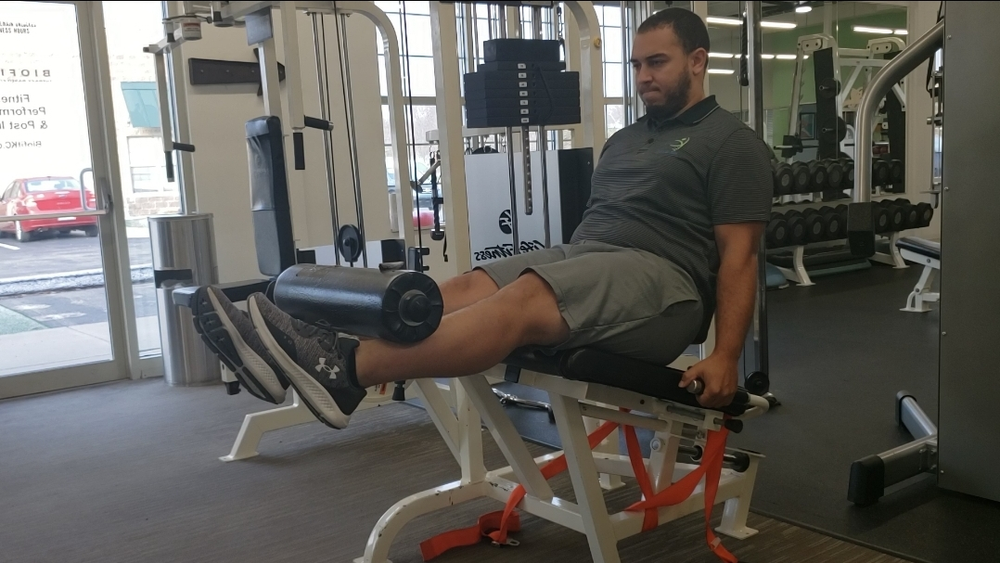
59, 261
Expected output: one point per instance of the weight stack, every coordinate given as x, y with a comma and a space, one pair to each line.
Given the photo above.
522, 83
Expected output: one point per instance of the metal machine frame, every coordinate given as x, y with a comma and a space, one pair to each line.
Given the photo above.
871, 475
571, 402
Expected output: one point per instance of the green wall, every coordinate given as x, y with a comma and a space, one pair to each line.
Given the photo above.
787, 41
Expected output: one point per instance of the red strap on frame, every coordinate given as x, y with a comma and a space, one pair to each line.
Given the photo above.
497, 525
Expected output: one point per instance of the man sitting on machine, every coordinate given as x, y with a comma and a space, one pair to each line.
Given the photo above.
670, 235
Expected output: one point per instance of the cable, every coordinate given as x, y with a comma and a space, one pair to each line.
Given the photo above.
342, 52
319, 25
744, 37
413, 130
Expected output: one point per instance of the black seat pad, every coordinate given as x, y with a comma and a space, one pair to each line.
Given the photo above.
596, 366
920, 246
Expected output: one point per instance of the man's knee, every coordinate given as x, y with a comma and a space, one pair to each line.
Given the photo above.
540, 320
464, 290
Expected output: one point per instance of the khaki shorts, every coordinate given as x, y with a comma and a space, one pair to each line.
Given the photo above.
620, 300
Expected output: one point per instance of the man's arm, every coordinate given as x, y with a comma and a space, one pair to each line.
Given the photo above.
736, 291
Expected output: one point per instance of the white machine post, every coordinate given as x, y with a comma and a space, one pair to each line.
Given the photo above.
444, 39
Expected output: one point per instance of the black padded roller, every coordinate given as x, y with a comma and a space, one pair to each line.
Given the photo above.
399, 306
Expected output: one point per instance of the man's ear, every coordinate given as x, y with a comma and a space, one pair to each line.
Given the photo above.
698, 59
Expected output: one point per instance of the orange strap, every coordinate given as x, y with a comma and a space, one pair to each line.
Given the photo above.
710, 469
509, 521
488, 523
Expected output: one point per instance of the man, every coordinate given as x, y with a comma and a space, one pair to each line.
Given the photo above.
671, 233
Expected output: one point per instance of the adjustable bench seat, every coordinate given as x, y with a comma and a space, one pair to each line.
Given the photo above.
919, 246
928, 253
595, 366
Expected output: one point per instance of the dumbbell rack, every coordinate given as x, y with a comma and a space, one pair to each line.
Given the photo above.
800, 275
801, 186
798, 272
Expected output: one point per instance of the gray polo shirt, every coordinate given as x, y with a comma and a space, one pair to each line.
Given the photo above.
661, 186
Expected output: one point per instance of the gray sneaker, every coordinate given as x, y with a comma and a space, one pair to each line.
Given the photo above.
230, 334
318, 362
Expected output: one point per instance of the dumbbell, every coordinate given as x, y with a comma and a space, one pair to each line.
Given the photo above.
800, 177
783, 181
796, 228
834, 174
924, 214
816, 225
842, 215
817, 173
880, 173
777, 231
910, 216
895, 217
881, 218
848, 166
896, 171
836, 227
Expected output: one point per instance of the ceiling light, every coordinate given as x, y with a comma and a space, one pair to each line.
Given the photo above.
721, 71
899, 32
786, 57
866, 29
803, 9
721, 55
767, 57
735, 21
723, 21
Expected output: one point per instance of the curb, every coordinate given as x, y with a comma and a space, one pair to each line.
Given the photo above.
81, 279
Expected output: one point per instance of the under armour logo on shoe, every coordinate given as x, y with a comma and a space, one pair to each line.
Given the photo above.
331, 370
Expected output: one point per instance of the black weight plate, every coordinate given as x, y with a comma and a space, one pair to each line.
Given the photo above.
349, 242
833, 130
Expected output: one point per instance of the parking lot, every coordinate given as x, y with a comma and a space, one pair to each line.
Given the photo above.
60, 254
66, 286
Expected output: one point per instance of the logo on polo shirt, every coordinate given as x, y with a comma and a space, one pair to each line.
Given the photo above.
679, 143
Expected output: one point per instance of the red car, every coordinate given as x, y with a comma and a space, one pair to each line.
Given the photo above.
52, 194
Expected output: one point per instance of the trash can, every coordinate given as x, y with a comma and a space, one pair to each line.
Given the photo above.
183, 255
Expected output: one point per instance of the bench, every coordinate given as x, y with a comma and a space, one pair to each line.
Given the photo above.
583, 383
928, 253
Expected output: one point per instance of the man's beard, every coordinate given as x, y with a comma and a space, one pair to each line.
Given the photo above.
673, 101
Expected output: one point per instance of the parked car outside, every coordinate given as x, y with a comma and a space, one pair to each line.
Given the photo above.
44, 196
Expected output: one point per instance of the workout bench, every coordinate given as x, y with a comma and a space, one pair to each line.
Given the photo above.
576, 381
928, 253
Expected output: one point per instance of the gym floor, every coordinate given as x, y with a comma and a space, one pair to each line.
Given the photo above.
130, 472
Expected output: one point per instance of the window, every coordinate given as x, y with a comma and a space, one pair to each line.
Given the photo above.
146, 166
412, 23
610, 20
142, 103
51, 185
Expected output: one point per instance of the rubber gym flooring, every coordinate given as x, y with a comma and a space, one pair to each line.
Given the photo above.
130, 472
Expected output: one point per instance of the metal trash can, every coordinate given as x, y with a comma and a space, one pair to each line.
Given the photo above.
183, 255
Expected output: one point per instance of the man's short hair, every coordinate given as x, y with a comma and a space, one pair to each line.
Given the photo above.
687, 25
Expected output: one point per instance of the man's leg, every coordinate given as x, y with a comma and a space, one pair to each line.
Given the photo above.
472, 339
461, 291
331, 373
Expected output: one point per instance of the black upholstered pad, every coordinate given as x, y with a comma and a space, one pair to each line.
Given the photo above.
595, 366
272, 216
920, 246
